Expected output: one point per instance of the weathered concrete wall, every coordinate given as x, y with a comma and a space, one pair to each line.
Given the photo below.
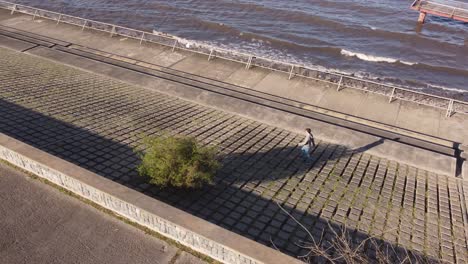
191, 231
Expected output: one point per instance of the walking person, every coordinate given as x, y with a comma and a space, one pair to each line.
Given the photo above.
307, 145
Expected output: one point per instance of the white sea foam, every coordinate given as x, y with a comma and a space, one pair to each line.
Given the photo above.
258, 49
373, 58
367, 57
187, 43
408, 63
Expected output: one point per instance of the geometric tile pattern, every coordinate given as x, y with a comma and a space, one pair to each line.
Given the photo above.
96, 122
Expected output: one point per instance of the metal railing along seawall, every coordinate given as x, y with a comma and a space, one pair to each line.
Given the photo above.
341, 81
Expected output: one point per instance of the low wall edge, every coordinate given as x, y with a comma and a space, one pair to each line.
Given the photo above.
191, 231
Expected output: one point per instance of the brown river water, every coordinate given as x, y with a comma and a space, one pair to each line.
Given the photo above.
375, 39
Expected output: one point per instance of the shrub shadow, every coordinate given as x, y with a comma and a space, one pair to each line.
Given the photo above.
246, 191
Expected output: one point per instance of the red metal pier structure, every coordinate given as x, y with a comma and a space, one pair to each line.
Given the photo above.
450, 9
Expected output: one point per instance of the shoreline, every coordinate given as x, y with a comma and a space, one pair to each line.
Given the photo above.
251, 60
358, 63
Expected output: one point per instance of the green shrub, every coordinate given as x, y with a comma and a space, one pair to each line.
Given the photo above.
177, 162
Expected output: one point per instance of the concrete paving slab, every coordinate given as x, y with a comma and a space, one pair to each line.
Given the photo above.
419, 118
247, 78
20, 21
309, 91
167, 58
454, 128
17, 33
145, 52
49, 29
26, 38
122, 46
15, 44
5, 14
94, 39
377, 108
214, 69
89, 38
147, 56
98, 40
345, 101
277, 83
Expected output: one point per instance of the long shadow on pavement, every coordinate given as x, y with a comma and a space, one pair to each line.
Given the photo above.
246, 192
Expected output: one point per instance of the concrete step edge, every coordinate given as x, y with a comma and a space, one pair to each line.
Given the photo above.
337, 121
429, 138
189, 230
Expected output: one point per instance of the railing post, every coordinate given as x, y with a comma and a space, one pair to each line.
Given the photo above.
291, 72
142, 37
211, 54
174, 46
449, 109
339, 84
112, 31
391, 96
13, 9
84, 25
35, 13
248, 63
60, 17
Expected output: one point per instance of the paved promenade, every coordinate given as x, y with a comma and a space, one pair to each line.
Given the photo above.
97, 122
373, 110
41, 225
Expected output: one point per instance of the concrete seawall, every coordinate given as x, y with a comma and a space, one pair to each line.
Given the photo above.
366, 107
263, 111
184, 228
95, 122
88, 98
324, 116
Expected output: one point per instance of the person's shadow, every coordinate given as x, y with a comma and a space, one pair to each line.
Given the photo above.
368, 146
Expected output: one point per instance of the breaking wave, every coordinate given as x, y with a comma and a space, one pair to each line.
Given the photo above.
256, 49
373, 58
